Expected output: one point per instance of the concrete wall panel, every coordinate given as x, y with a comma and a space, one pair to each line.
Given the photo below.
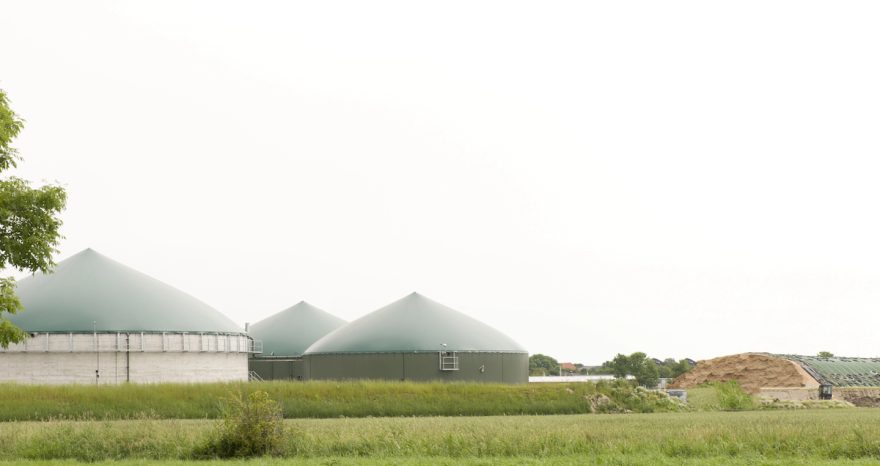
61, 358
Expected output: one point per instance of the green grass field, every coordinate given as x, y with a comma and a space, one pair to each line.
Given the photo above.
373, 423
571, 460
850, 436
316, 399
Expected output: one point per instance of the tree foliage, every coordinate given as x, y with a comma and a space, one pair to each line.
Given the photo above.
825, 354
541, 364
620, 366
639, 366
645, 371
10, 126
29, 224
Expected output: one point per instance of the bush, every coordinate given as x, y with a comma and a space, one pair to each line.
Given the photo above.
731, 397
620, 396
251, 426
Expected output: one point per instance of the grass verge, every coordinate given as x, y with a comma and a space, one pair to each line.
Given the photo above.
697, 437
324, 400
562, 460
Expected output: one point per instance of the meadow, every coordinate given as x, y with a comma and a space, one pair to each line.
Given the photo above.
843, 436
321, 399
373, 423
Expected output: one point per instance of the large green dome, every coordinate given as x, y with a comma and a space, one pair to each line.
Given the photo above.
291, 331
414, 323
89, 287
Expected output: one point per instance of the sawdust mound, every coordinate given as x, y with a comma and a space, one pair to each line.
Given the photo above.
752, 371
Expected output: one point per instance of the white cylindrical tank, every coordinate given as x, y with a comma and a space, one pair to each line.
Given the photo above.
97, 321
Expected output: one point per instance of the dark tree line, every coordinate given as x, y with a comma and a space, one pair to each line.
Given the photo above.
646, 371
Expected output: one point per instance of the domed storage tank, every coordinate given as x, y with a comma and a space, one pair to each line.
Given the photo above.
416, 338
95, 320
285, 337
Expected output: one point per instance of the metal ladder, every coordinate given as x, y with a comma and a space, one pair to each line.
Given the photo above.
448, 361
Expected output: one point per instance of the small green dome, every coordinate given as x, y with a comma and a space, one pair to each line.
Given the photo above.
89, 287
414, 323
291, 331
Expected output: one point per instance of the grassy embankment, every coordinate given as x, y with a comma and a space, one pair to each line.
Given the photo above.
754, 437
322, 400
570, 460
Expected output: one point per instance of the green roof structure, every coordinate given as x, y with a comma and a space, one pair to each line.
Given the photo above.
89, 291
840, 371
414, 323
291, 331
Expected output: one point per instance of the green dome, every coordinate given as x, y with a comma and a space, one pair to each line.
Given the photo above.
414, 323
291, 331
89, 287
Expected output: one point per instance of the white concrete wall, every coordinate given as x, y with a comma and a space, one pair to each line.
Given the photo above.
173, 357
65, 368
188, 367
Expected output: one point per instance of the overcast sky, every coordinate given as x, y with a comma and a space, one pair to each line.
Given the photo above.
688, 179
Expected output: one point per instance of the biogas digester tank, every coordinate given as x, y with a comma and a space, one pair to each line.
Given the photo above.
94, 320
285, 336
418, 339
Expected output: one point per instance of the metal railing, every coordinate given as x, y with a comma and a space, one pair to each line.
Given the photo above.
448, 361
135, 342
255, 346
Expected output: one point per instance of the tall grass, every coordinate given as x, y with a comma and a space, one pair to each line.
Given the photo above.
569, 460
324, 399
794, 436
731, 397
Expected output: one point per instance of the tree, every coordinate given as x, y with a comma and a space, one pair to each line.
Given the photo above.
681, 367
542, 364
29, 224
638, 365
665, 370
619, 366
643, 369
825, 354
605, 369
647, 374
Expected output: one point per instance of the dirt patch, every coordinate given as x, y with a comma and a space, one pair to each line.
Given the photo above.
863, 397
753, 371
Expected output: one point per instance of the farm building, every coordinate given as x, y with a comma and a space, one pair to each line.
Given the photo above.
416, 338
786, 376
95, 320
285, 337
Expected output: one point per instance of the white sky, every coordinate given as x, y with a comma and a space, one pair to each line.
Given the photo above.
688, 179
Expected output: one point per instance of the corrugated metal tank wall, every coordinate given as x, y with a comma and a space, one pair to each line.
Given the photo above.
277, 369
418, 366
